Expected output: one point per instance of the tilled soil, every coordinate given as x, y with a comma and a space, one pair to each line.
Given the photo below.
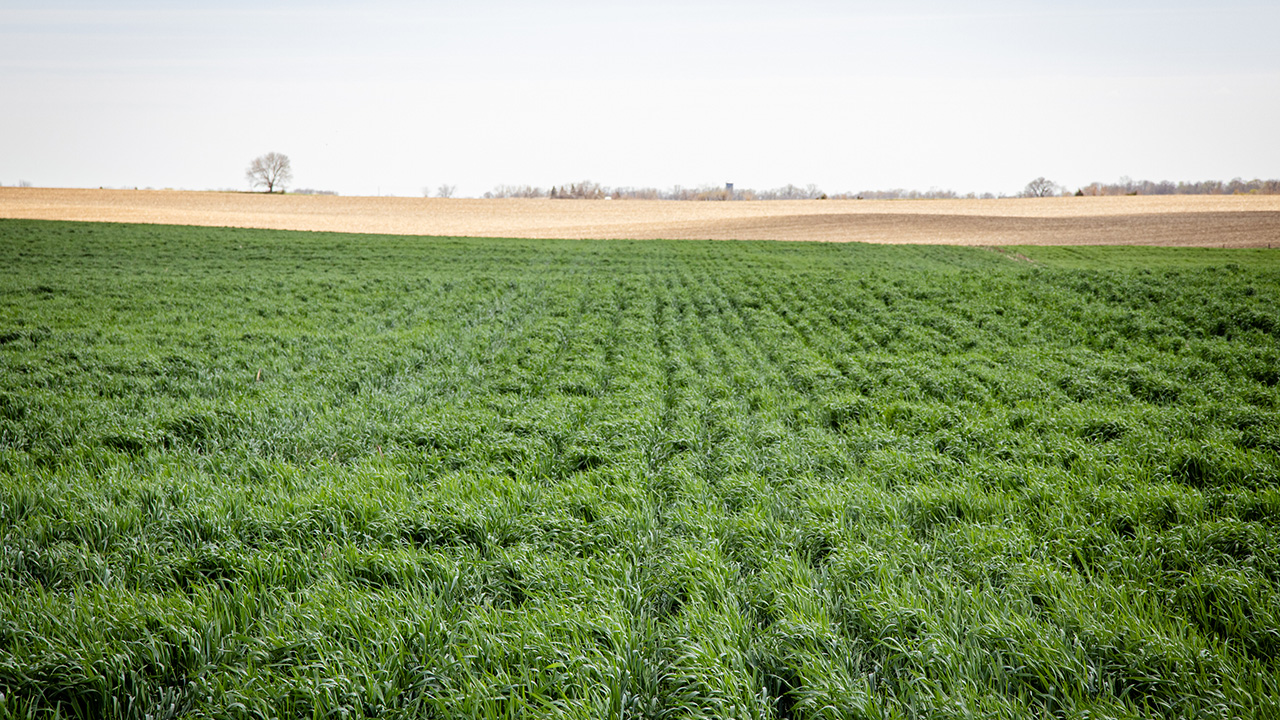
1206, 221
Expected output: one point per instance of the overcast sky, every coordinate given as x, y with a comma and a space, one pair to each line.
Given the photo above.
390, 97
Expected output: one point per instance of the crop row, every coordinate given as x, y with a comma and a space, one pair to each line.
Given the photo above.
258, 474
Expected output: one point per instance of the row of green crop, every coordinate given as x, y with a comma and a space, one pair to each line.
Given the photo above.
257, 474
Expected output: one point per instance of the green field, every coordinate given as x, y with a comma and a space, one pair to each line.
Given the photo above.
267, 474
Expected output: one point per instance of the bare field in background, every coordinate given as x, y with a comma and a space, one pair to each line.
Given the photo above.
1195, 220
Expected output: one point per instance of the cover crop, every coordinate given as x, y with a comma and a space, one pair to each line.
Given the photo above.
269, 474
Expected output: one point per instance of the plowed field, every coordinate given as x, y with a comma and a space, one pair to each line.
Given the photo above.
1209, 221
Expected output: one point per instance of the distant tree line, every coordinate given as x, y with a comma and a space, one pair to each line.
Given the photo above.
585, 190
516, 191
902, 194
1238, 186
1040, 187
588, 190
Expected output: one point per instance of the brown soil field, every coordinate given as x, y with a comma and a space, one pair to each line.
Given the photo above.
1206, 221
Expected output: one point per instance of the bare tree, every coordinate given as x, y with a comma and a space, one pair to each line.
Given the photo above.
445, 190
270, 171
1040, 188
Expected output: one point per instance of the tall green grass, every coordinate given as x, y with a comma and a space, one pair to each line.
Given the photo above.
267, 474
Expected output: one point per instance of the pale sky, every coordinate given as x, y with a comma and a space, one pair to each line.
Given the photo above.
391, 97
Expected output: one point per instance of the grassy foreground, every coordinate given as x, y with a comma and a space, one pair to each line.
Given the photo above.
260, 474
